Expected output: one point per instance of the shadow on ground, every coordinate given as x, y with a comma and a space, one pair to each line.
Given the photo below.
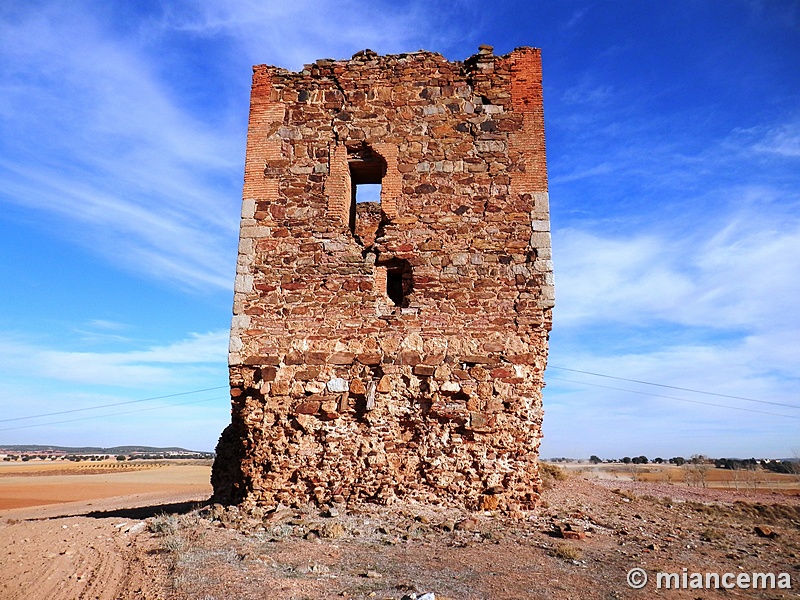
145, 512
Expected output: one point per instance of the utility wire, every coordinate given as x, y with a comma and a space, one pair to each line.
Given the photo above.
74, 410
672, 387
126, 412
761, 412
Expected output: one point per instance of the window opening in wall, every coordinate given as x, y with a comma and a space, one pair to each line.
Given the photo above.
367, 169
399, 281
394, 287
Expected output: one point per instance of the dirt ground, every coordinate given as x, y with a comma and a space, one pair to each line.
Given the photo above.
39, 483
163, 545
67, 530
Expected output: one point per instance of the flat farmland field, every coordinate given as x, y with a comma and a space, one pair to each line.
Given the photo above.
743, 480
39, 483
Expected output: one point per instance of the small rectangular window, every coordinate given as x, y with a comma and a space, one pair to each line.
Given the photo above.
394, 287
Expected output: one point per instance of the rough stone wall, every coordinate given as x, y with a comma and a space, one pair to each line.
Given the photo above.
399, 349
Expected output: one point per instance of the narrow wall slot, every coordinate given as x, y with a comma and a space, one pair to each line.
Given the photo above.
399, 281
394, 286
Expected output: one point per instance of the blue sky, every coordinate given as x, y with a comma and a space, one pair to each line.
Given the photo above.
673, 137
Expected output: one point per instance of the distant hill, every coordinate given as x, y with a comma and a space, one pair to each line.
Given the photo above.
91, 449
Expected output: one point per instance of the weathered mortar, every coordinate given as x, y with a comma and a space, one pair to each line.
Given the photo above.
399, 350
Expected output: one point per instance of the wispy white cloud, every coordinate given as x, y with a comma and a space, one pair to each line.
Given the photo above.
711, 306
177, 364
690, 279
588, 92
602, 169
102, 331
607, 416
191, 421
577, 17
743, 272
783, 140
126, 151
135, 390
129, 171
293, 33
106, 325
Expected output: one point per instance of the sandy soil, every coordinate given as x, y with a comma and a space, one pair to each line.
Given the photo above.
67, 530
125, 547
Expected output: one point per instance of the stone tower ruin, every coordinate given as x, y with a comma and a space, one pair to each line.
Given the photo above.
393, 347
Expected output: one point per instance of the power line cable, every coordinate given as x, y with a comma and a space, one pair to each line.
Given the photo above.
74, 410
126, 412
761, 412
674, 387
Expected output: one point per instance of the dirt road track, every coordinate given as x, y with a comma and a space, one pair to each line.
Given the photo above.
80, 551
64, 559
52, 548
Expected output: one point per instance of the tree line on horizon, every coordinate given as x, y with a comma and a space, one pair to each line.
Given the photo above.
788, 466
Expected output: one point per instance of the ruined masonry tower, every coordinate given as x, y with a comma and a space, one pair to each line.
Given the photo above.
392, 348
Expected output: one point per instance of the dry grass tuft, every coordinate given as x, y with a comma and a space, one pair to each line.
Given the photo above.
624, 494
567, 552
174, 544
551, 474
163, 524
711, 535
